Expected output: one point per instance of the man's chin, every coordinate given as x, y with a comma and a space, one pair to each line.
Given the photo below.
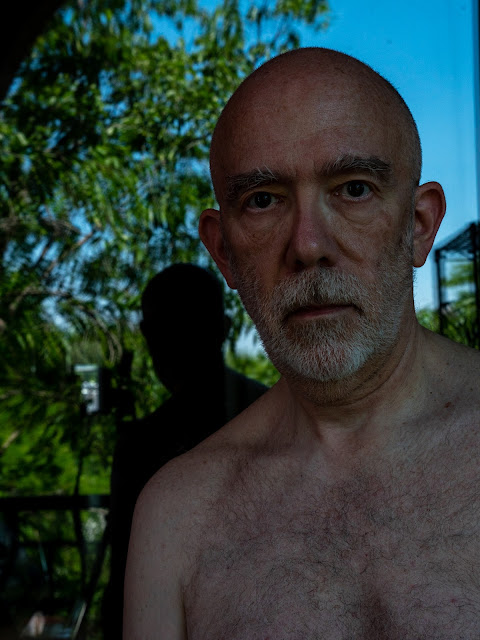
325, 364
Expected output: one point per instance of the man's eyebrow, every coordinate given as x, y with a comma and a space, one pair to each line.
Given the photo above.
238, 184
352, 164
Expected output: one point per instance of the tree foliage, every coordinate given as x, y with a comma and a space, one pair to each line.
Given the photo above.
104, 143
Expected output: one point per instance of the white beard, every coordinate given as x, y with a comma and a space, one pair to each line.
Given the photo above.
325, 349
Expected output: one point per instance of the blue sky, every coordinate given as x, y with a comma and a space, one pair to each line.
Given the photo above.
425, 49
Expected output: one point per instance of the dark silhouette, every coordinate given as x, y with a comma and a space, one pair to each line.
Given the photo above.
185, 326
21, 23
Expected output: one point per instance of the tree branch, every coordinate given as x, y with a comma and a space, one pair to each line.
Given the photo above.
65, 253
35, 291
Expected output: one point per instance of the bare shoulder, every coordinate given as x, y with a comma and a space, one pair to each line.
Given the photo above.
454, 355
182, 487
175, 496
173, 515
153, 588
167, 527
455, 370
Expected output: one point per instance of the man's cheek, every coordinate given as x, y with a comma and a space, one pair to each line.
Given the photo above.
251, 235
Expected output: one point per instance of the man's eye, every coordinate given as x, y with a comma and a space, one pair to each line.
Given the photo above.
356, 189
261, 200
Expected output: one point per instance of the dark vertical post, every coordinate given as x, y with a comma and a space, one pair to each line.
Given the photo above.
438, 263
474, 243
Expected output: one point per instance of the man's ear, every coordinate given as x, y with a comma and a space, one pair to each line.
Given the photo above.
209, 228
429, 211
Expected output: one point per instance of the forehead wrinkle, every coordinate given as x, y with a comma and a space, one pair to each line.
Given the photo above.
350, 163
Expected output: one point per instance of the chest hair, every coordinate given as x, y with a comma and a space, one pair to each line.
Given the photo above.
391, 553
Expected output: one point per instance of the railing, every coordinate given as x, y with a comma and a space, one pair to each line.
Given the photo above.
39, 536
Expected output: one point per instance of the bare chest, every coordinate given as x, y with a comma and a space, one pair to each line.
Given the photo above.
358, 560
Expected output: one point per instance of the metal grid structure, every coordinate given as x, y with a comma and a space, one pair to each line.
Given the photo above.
458, 285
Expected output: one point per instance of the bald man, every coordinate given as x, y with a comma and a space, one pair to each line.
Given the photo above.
344, 504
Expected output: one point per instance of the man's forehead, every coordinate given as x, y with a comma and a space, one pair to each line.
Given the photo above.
272, 99
301, 80
317, 101
297, 147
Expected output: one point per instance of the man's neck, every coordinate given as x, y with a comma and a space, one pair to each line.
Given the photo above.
367, 407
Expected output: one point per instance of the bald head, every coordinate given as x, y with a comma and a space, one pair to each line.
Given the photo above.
295, 88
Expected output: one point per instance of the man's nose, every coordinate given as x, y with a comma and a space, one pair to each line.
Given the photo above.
312, 239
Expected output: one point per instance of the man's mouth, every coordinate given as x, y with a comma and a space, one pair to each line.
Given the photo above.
318, 310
